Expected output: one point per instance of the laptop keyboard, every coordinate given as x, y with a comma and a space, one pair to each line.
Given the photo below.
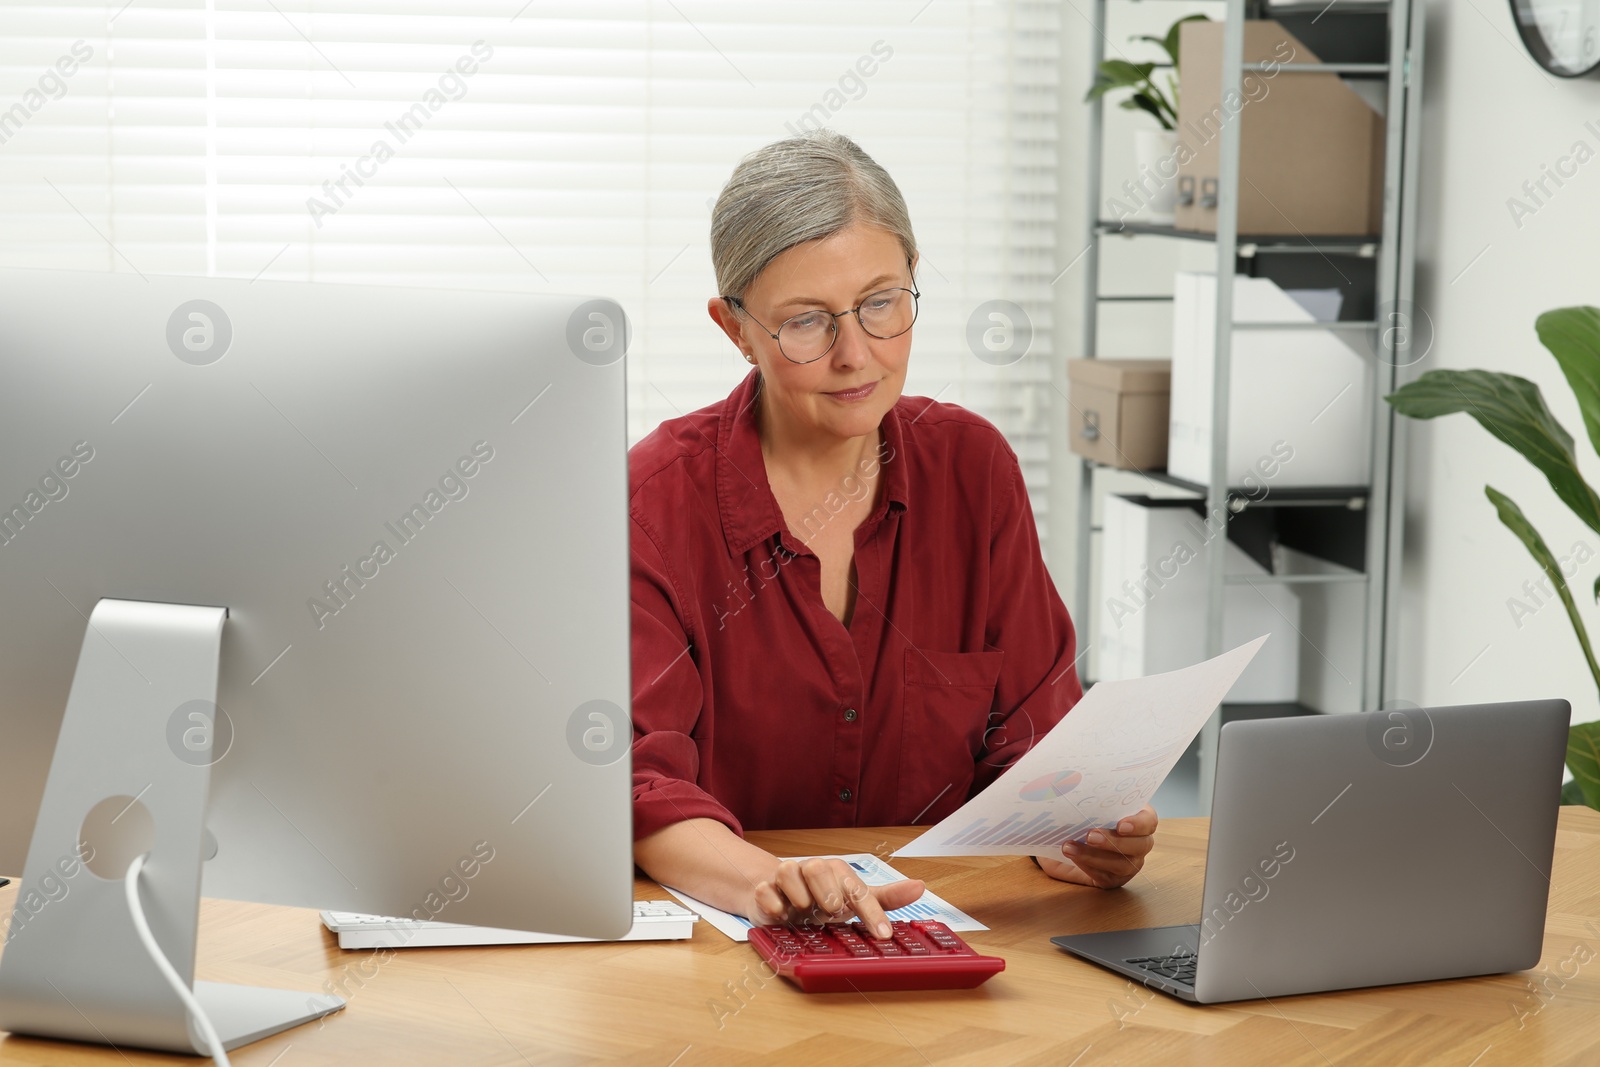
1179, 968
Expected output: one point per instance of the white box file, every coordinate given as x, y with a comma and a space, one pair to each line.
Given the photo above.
1304, 389
1153, 601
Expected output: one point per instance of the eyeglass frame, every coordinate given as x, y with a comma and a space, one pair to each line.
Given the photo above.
837, 315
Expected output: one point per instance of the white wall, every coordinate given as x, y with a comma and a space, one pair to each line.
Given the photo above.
1491, 120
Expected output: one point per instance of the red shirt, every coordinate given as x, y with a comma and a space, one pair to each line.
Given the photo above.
753, 704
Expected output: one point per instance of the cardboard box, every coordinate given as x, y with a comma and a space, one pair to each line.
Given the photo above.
1152, 616
1310, 149
1299, 402
1120, 411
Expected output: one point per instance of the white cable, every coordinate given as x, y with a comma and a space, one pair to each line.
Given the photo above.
159, 958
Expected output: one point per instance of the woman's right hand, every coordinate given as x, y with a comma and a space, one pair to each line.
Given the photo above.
825, 890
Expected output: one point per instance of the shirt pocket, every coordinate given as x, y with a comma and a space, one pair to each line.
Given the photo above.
948, 700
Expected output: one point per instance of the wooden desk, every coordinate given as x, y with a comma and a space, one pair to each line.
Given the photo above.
704, 1001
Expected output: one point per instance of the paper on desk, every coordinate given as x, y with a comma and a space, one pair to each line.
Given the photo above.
1104, 760
872, 871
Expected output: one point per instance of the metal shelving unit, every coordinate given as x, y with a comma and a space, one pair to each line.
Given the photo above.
1392, 255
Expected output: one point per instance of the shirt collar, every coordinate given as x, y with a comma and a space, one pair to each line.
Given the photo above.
749, 510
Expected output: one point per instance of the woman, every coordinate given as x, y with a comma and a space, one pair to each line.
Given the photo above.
840, 613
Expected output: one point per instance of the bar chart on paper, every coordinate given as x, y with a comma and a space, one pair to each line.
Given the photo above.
1013, 830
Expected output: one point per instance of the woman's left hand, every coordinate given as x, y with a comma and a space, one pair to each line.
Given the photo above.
1108, 858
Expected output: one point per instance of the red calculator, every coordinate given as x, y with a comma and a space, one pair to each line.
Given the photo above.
839, 958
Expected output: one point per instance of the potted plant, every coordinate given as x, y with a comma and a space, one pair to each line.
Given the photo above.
1150, 147
1513, 409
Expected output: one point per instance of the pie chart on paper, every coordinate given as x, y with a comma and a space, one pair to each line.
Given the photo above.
1049, 786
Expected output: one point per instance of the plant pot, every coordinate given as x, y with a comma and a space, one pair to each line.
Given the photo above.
1156, 173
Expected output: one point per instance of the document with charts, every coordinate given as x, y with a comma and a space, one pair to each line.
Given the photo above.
1103, 761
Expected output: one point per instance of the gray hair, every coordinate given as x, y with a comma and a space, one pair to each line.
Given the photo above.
796, 190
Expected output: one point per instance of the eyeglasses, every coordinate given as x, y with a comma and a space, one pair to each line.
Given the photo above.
807, 337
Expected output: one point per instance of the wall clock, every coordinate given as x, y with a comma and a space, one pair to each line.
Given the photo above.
1563, 35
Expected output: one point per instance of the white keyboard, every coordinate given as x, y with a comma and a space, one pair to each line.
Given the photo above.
653, 920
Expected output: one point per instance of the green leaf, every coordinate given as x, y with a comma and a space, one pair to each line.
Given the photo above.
1518, 523
1570, 793
1143, 102
1169, 42
1168, 113
1117, 74
1512, 409
1573, 336
1583, 757
1125, 73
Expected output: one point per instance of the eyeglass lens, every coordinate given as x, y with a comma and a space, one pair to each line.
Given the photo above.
885, 314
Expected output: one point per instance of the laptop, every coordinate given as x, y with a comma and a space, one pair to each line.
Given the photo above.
1361, 850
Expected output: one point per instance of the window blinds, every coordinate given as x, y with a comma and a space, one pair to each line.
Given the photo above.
562, 147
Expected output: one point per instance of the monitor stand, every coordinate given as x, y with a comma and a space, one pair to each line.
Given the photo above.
130, 776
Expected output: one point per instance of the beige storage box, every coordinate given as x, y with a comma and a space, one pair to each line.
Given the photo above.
1310, 149
1120, 409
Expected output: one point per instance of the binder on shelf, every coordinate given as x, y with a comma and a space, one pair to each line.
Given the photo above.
1152, 616
1310, 146
1298, 406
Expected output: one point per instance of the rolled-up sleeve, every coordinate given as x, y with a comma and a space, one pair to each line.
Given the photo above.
1027, 620
667, 698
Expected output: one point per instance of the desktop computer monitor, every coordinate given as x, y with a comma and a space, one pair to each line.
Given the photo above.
312, 595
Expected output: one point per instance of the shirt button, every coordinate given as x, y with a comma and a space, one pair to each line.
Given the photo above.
849, 714
845, 795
